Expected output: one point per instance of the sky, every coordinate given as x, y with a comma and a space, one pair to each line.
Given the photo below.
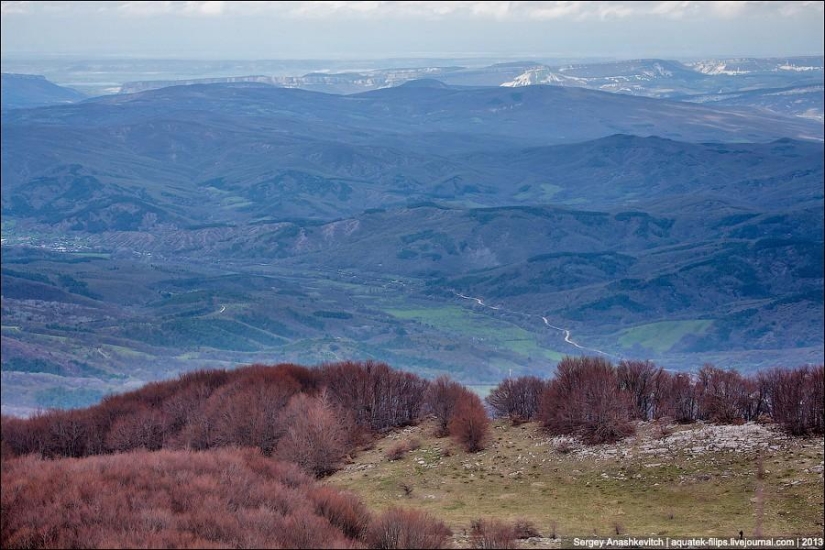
374, 29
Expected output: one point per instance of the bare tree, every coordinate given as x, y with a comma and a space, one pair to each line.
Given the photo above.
641, 379
313, 438
677, 398
440, 400
723, 395
796, 398
585, 399
516, 398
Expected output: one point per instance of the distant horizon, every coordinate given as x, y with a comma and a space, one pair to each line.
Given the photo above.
17, 56
256, 31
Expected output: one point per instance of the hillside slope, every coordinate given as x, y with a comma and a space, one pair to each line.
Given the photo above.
697, 481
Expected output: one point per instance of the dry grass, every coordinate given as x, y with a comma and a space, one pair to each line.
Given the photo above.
521, 475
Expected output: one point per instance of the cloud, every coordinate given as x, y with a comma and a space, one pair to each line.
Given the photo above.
525, 11
614, 10
12, 8
161, 8
326, 8
673, 10
496, 10
210, 8
732, 9
519, 11
555, 10
729, 9
146, 9
789, 9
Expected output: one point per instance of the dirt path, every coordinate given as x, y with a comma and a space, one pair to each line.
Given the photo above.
567, 335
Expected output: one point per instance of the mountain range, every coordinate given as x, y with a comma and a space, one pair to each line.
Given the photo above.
751, 82
477, 230
789, 85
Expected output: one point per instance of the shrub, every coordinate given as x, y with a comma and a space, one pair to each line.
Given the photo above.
343, 510
142, 429
226, 498
399, 450
678, 398
469, 424
488, 533
399, 528
565, 445
378, 397
525, 529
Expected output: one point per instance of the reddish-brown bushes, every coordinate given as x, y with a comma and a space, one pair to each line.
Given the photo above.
678, 398
399, 528
585, 399
525, 529
245, 411
399, 450
313, 436
491, 533
343, 510
207, 409
796, 399
246, 407
441, 398
724, 396
458, 412
377, 396
469, 424
142, 429
222, 498
516, 398
643, 381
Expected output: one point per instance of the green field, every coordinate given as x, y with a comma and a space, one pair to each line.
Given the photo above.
662, 336
544, 193
493, 332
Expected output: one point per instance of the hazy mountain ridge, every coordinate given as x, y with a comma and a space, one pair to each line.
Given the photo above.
25, 91
805, 100
699, 81
336, 155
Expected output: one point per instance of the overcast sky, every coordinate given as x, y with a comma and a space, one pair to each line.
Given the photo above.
341, 30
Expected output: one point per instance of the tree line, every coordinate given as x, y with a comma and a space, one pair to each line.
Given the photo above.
313, 417
317, 417
599, 402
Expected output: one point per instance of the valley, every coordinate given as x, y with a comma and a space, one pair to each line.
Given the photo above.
477, 231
